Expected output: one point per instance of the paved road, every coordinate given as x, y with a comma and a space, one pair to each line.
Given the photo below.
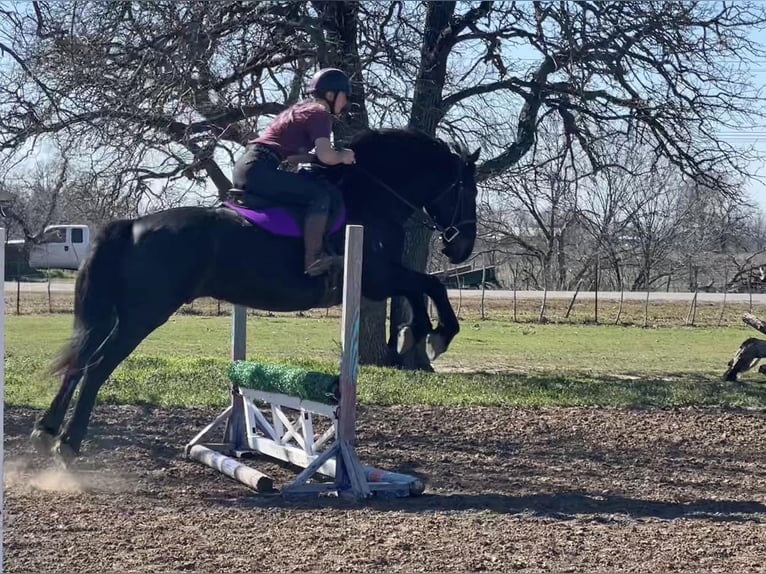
759, 298
613, 295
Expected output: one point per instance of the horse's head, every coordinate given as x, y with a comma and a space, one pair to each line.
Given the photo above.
454, 208
413, 172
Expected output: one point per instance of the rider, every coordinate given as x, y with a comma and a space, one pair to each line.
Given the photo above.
292, 134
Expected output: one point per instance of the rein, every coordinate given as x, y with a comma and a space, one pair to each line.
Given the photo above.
450, 232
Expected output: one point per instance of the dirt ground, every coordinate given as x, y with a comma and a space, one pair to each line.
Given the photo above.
559, 490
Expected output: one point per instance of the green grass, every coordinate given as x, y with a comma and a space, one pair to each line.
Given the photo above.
490, 363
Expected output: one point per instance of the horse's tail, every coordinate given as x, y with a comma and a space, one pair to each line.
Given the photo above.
96, 290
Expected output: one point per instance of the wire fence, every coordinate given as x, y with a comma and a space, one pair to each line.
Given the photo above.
653, 309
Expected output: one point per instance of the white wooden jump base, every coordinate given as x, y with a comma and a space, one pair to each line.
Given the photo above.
287, 430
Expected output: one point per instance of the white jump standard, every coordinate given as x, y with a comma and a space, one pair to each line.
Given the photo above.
310, 418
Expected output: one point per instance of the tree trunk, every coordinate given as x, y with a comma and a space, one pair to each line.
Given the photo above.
373, 349
754, 322
341, 50
427, 112
747, 356
750, 352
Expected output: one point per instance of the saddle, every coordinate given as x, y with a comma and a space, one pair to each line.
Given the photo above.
282, 218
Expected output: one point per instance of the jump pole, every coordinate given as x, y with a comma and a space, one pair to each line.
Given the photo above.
232, 468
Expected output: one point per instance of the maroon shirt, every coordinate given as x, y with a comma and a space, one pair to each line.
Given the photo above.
295, 130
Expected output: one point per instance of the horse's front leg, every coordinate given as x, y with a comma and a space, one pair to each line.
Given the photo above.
414, 286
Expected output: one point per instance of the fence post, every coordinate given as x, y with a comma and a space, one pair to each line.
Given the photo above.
725, 290
515, 279
595, 297
483, 288
646, 309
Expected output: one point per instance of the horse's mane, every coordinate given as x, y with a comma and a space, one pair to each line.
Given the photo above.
406, 137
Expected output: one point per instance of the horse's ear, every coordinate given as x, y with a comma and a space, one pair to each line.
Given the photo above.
473, 158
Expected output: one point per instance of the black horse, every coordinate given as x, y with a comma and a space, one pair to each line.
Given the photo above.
141, 271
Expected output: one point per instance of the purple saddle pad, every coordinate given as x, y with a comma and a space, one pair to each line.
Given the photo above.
280, 221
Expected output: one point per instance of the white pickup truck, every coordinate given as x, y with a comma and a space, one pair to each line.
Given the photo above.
61, 247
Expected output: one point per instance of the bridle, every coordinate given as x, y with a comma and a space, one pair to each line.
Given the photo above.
449, 233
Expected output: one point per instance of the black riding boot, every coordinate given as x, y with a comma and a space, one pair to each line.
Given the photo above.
316, 262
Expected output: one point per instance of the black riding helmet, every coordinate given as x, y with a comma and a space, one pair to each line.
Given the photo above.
330, 80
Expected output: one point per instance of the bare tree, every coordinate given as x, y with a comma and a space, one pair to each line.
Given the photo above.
607, 203
538, 206
37, 198
53, 191
655, 224
155, 90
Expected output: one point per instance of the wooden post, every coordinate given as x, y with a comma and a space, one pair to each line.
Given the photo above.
690, 316
572, 302
349, 337
459, 294
483, 288
238, 333
725, 290
595, 298
350, 478
515, 279
541, 316
349, 474
622, 299
646, 308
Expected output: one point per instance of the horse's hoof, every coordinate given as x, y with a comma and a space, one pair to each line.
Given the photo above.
63, 453
405, 341
435, 345
41, 440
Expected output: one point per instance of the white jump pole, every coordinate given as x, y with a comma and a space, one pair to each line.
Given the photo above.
231, 468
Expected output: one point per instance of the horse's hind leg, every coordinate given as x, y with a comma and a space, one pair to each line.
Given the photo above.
48, 425
127, 335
